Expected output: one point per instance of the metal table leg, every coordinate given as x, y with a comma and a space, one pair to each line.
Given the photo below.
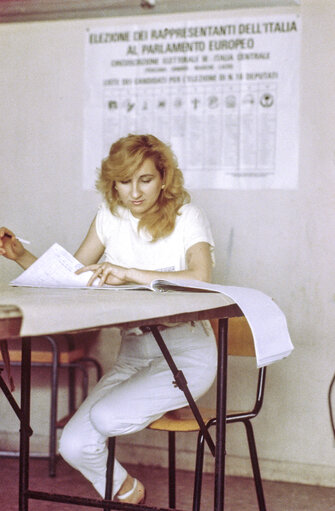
14, 405
24, 434
181, 382
221, 407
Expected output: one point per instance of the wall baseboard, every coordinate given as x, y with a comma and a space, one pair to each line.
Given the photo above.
272, 470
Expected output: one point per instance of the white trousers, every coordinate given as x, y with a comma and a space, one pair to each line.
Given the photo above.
137, 391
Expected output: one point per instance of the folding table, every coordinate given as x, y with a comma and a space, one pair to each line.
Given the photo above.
27, 312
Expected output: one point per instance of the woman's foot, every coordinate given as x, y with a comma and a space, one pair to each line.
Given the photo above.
132, 491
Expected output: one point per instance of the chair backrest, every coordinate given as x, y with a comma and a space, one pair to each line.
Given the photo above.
241, 344
240, 338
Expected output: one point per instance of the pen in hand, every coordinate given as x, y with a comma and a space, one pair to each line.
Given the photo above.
26, 242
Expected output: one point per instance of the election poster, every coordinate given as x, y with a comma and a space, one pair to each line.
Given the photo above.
223, 92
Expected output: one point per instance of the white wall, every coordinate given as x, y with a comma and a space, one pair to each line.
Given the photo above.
277, 241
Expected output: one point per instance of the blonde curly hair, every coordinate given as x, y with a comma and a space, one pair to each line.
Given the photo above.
125, 157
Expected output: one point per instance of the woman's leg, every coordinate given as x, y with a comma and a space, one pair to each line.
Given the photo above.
84, 447
149, 392
137, 391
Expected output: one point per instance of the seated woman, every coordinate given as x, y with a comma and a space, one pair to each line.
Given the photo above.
146, 228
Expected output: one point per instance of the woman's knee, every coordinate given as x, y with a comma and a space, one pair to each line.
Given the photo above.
116, 419
72, 446
105, 420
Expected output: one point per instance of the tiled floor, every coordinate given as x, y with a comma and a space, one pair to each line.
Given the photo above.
240, 493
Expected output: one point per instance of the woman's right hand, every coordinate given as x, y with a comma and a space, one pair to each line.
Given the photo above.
10, 246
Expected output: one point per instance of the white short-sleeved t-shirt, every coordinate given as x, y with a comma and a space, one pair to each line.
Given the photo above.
127, 247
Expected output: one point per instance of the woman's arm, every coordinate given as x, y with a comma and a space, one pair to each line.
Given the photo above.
199, 267
91, 248
89, 251
12, 248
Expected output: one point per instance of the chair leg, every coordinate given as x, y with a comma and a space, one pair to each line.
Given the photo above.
110, 468
82, 365
96, 364
172, 469
71, 375
255, 465
72, 389
198, 472
53, 407
71, 378
85, 379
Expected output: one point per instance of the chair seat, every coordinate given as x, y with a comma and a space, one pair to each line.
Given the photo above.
45, 357
181, 420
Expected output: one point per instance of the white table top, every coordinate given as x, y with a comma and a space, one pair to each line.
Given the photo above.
51, 311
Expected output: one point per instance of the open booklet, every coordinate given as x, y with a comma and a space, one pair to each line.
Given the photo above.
56, 267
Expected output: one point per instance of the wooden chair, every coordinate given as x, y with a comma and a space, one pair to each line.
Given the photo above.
58, 352
240, 343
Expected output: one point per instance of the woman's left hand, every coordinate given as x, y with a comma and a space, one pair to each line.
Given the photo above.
107, 273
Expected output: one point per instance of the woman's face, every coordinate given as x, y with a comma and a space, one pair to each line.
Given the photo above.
142, 190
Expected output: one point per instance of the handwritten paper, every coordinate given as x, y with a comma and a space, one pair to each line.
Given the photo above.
55, 268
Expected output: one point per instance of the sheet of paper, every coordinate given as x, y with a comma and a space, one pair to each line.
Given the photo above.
267, 322
55, 268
